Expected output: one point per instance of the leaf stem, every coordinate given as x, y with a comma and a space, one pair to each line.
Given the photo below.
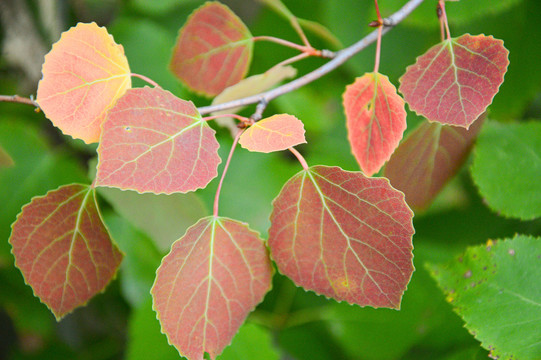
148, 80
443, 19
302, 48
341, 57
378, 42
281, 9
240, 118
217, 197
18, 99
300, 158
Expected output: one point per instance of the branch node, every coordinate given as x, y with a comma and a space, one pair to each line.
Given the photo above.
387, 22
260, 108
327, 54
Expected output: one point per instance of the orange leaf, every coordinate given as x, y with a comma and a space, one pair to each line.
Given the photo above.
430, 156
455, 80
274, 133
376, 120
63, 248
213, 50
83, 75
214, 276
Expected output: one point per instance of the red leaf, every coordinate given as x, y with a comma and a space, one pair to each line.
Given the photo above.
63, 249
153, 141
430, 156
213, 50
83, 75
376, 120
275, 133
455, 81
206, 286
343, 235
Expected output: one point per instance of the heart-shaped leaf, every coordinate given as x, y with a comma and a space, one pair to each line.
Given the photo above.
429, 157
63, 249
455, 80
153, 141
376, 120
343, 235
495, 288
210, 281
83, 76
274, 133
213, 50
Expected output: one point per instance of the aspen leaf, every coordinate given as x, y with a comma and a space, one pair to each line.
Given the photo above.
210, 281
213, 50
495, 289
455, 80
63, 249
83, 75
429, 157
153, 141
275, 133
376, 120
343, 235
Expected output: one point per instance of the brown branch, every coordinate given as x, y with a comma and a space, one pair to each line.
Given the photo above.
18, 99
341, 57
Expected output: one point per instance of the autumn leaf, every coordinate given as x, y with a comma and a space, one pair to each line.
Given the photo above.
63, 249
210, 281
343, 235
455, 81
429, 157
213, 50
83, 76
275, 133
376, 120
153, 141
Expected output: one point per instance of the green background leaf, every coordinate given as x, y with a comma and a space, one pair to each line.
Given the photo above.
495, 288
507, 168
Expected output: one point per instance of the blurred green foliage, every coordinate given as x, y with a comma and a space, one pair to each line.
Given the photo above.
290, 323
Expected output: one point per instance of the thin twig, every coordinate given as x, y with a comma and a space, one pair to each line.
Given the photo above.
341, 57
18, 99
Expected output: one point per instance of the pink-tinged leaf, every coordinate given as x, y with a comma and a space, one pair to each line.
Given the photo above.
213, 50
63, 249
275, 133
376, 120
455, 81
214, 276
343, 235
83, 76
152, 141
429, 157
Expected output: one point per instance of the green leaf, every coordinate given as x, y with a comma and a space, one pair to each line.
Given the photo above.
37, 169
251, 342
495, 288
507, 168
458, 13
164, 218
141, 261
145, 340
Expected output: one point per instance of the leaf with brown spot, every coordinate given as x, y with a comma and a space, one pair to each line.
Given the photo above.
343, 235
